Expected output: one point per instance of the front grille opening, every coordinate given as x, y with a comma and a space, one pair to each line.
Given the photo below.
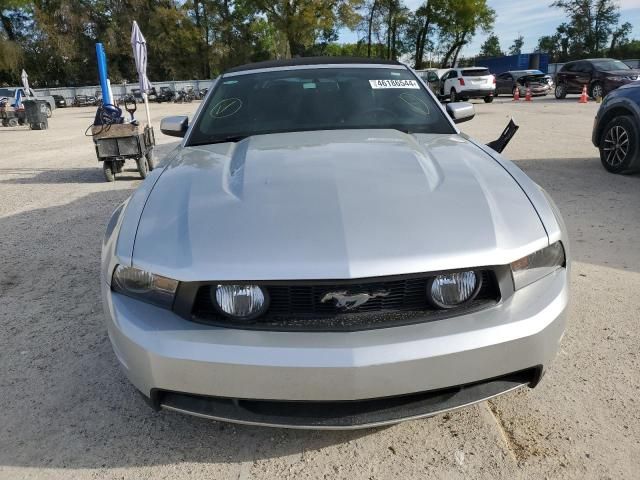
297, 305
341, 414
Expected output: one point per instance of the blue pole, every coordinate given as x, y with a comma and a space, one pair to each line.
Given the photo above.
102, 74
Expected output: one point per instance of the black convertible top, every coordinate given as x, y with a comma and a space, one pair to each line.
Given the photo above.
292, 62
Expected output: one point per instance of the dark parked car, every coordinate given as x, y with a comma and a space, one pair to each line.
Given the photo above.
600, 75
508, 82
84, 101
165, 95
616, 130
60, 101
633, 63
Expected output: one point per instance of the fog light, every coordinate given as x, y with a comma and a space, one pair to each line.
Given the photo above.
240, 302
453, 289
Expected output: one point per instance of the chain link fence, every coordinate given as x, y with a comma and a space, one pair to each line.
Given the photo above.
119, 90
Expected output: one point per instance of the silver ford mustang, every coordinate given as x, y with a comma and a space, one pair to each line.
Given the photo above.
326, 250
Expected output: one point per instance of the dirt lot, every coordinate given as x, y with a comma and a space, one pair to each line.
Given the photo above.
66, 410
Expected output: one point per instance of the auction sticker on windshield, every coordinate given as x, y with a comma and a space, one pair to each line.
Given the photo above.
394, 84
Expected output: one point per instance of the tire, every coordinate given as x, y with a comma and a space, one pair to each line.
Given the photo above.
620, 145
488, 99
453, 96
109, 176
143, 166
13, 122
597, 91
151, 163
49, 111
560, 91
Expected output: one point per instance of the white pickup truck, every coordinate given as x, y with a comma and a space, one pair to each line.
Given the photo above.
10, 93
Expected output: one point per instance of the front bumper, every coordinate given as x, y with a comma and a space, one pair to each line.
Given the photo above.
201, 370
610, 85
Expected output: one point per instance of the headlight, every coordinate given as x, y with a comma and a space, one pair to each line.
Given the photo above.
533, 267
144, 286
240, 302
453, 289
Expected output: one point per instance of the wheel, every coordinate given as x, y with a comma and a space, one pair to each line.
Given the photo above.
5, 122
561, 91
49, 111
488, 99
453, 96
109, 174
620, 145
150, 160
13, 122
143, 166
597, 91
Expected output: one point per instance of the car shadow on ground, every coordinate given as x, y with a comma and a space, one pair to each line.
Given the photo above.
66, 403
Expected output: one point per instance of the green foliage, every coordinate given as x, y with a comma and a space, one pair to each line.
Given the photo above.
491, 47
461, 20
516, 48
54, 40
592, 30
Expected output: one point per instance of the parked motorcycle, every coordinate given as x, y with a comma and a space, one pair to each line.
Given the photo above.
184, 96
165, 95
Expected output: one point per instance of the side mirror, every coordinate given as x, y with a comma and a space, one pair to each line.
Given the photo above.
432, 77
460, 111
174, 126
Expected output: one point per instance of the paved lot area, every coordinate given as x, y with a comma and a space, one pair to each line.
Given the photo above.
66, 410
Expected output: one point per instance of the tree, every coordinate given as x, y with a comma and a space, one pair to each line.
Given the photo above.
516, 48
303, 21
13, 14
620, 36
460, 21
551, 45
591, 24
423, 22
491, 47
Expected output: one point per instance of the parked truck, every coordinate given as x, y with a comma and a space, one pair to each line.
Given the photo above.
10, 93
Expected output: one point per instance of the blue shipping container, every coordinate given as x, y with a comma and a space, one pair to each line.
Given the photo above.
524, 61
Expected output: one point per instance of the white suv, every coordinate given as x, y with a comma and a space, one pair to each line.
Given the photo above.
466, 83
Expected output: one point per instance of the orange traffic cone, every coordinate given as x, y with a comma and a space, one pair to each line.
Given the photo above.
584, 98
516, 95
528, 97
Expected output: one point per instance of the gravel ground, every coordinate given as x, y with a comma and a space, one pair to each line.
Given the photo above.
66, 410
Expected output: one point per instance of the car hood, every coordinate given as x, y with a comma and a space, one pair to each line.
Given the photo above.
333, 205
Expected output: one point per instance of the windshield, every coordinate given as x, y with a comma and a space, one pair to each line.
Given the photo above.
608, 65
317, 99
